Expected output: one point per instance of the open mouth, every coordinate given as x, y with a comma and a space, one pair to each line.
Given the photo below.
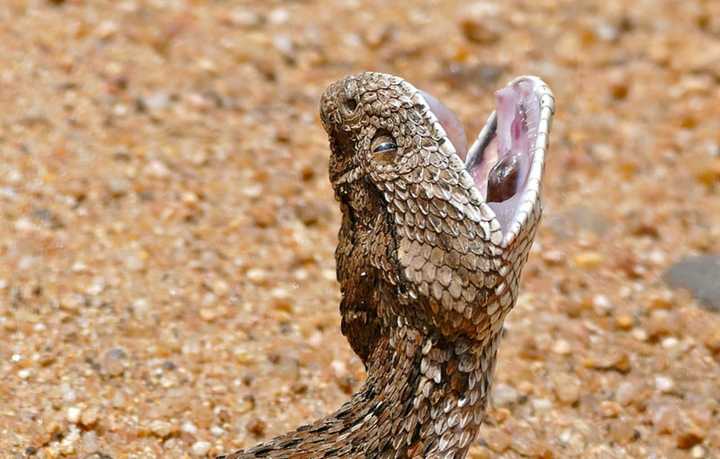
505, 161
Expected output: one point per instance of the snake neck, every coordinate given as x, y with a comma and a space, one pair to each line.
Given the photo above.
424, 397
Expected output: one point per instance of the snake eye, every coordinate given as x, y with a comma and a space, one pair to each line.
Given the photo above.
384, 148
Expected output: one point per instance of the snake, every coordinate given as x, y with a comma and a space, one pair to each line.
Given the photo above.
432, 243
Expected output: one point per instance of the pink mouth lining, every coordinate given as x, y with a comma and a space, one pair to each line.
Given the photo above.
499, 161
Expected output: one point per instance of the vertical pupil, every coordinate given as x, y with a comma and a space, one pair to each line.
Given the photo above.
351, 103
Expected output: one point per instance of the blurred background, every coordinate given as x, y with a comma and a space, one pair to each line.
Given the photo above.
167, 283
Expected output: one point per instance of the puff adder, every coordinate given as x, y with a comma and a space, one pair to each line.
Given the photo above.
432, 243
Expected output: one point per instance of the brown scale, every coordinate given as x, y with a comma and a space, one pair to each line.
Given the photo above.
419, 265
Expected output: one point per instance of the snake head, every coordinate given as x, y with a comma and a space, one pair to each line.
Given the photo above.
439, 232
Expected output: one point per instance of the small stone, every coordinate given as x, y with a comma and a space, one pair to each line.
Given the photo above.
619, 88
479, 452
700, 275
562, 347
712, 341
263, 215
256, 426
279, 16
160, 428
661, 301
566, 387
200, 448
157, 169
619, 361
73, 414
377, 35
89, 417
554, 257
688, 435
623, 432
706, 171
664, 384
114, 361
497, 440
639, 334
661, 323
156, 101
246, 405
188, 427
134, 262
610, 409
664, 418
541, 404
243, 17
602, 305
480, 23
90, 442
282, 300
504, 395
525, 443
257, 276
118, 186
629, 393
624, 321
669, 342
589, 260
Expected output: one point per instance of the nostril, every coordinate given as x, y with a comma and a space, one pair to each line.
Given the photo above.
351, 104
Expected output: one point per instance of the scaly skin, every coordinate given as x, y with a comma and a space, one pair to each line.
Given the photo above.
426, 273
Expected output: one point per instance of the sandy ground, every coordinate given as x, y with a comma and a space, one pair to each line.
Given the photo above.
166, 243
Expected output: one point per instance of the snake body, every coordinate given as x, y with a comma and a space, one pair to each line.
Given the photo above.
428, 266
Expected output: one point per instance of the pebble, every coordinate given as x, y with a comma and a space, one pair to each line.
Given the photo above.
73, 414
664, 384
160, 428
256, 426
497, 440
619, 361
688, 434
629, 393
589, 260
480, 23
114, 361
188, 427
504, 395
624, 321
89, 417
200, 448
699, 275
610, 409
157, 193
567, 387
562, 347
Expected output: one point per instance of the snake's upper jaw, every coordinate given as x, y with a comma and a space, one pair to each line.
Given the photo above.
506, 160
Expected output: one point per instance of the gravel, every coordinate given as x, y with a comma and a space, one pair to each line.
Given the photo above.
166, 242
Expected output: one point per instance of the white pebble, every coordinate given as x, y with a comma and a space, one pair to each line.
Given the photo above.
188, 427
200, 448
664, 384
73, 414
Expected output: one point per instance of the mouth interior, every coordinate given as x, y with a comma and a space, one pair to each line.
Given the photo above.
499, 160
